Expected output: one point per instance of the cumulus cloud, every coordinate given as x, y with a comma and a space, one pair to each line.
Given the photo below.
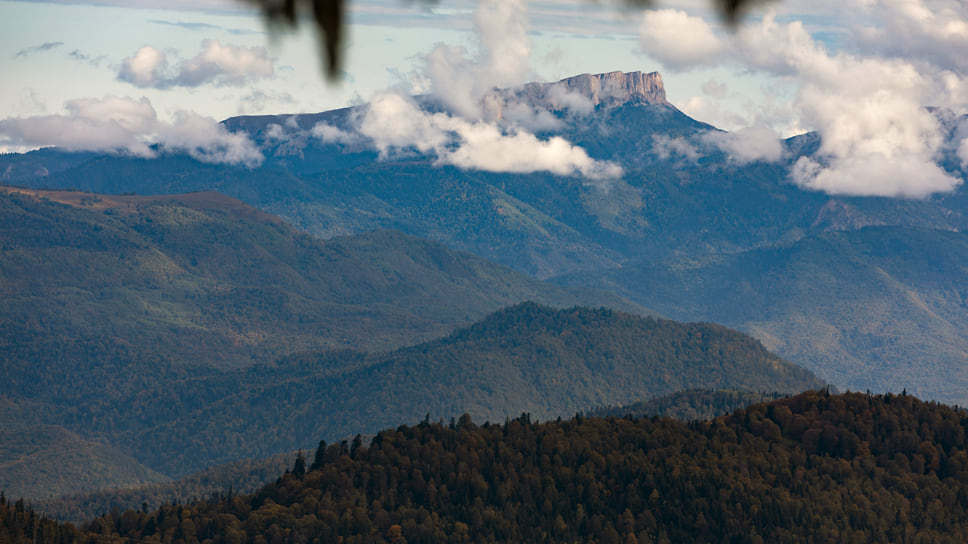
47, 46
394, 123
146, 68
751, 144
461, 79
867, 99
482, 128
124, 125
216, 64
678, 40
877, 136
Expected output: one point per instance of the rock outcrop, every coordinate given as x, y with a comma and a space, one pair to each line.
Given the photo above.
583, 93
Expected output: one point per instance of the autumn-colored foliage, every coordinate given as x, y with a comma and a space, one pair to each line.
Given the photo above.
811, 468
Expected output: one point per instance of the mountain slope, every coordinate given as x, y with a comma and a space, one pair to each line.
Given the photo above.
156, 273
880, 308
526, 358
114, 305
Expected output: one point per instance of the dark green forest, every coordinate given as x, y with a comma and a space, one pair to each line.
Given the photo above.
815, 467
688, 405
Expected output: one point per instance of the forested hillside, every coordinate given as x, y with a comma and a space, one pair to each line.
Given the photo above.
880, 308
117, 307
812, 468
526, 358
178, 333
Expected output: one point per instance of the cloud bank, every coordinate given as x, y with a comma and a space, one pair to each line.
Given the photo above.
393, 122
867, 100
695, 42
123, 125
747, 145
216, 64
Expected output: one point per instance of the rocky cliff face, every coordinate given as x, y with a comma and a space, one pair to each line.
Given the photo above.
616, 88
583, 93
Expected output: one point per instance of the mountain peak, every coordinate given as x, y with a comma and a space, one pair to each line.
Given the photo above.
617, 88
607, 90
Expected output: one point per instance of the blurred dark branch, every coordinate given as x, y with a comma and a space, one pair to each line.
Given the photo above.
328, 18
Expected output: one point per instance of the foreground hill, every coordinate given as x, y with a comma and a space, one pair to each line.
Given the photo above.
811, 468
241, 477
881, 308
527, 358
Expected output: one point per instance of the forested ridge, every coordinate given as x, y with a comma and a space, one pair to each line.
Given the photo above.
814, 467
122, 314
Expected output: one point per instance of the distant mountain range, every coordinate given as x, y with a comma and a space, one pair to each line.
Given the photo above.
880, 308
161, 335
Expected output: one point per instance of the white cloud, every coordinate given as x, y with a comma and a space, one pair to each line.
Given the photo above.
483, 146
206, 140
751, 144
146, 68
328, 134
216, 64
871, 174
678, 40
124, 125
395, 123
867, 102
483, 129
877, 136
963, 153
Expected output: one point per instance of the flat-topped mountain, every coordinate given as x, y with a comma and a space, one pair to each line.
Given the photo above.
584, 92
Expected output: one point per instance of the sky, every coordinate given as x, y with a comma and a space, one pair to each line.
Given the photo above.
133, 75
